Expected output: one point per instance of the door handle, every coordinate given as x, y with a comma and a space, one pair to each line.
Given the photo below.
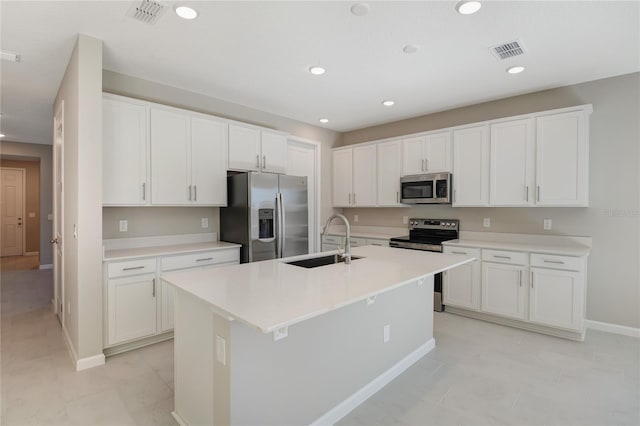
195, 192
526, 193
426, 164
144, 192
133, 268
397, 197
53, 241
258, 161
531, 279
153, 291
354, 198
264, 161
189, 192
520, 275
423, 164
538, 192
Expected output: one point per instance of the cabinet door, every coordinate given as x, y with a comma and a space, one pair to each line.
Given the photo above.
342, 179
461, 285
556, 298
124, 153
170, 158
437, 152
389, 165
512, 163
274, 152
471, 167
364, 176
209, 162
131, 306
562, 159
244, 148
503, 290
413, 158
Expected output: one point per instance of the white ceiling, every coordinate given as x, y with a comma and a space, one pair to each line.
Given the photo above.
257, 54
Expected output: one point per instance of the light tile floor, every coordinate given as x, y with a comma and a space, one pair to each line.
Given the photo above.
479, 374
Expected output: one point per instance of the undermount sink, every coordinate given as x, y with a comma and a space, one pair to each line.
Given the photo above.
314, 262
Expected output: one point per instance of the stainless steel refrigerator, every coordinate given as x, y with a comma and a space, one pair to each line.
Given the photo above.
267, 214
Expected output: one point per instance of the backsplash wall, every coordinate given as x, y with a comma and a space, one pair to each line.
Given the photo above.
153, 221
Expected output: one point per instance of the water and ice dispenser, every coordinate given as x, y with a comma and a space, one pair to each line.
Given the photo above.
266, 227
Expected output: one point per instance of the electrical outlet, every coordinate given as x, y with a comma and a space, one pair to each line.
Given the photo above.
386, 331
204, 222
355, 218
547, 224
486, 222
221, 350
124, 225
405, 220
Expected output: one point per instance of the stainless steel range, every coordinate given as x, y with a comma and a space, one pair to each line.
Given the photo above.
428, 235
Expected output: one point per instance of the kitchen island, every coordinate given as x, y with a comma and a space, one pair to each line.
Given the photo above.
274, 343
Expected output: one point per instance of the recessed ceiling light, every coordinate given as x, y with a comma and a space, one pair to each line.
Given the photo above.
316, 70
360, 9
324, 120
186, 12
468, 7
411, 48
515, 69
388, 103
9, 56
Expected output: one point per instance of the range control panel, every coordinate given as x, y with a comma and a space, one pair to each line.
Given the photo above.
416, 223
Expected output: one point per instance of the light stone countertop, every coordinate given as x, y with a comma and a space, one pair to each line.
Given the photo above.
271, 294
138, 252
566, 248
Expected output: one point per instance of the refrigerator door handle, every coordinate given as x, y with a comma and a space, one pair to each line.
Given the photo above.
283, 227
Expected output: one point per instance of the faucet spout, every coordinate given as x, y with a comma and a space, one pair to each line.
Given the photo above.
347, 245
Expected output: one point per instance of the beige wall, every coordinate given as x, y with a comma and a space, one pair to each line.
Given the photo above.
81, 93
42, 154
31, 202
613, 216
134, 87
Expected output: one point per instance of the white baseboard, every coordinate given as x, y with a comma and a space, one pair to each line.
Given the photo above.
613, 328
345, 407
47, 266
31, 253
82, 363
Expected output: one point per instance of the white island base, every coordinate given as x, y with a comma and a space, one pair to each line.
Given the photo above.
229, 373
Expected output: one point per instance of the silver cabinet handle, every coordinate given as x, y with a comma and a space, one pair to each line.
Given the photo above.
458, 252
195, 192
354, 198
189, 192
204, 259
538, 192
133, 268
501, 257
258, 161
264, 161
531, 279
153, 292
397, 196
349, 198
557, 262
520, 276
526, 193
454, 195
426, 164
144, 191
422, 167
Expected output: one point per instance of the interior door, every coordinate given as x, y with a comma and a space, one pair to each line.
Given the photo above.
12, 209
293, 190
58, 224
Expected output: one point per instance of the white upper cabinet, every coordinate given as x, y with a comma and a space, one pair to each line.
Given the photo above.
429, 153
471, 166
342, 164
257, 150
389, 165
209, 162
354, 176
170, 157
512, 163
188, 159
125, 152
562, 159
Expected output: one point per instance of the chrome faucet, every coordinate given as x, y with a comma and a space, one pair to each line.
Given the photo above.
347, 245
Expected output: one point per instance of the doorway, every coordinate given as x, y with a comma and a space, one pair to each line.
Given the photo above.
12, 187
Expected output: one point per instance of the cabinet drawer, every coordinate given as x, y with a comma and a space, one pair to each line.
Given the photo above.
192, 260
569, 263
503, 256
131, 267
332, 239
467, 251
358, 242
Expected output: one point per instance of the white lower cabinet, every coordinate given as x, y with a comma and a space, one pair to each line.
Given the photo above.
131, 308
503, 291
461, 285
138, 304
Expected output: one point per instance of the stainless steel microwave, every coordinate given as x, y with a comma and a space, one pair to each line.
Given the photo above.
434, 188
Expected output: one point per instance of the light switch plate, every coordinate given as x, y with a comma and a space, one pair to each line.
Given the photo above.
405, 220
386, 333
486, 222
124, 225
205, 222
221, 350
355, 217
547, 224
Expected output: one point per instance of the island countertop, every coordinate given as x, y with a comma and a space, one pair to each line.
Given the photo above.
272, 294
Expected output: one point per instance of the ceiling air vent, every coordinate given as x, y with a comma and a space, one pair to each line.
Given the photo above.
507, 50
147, 11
